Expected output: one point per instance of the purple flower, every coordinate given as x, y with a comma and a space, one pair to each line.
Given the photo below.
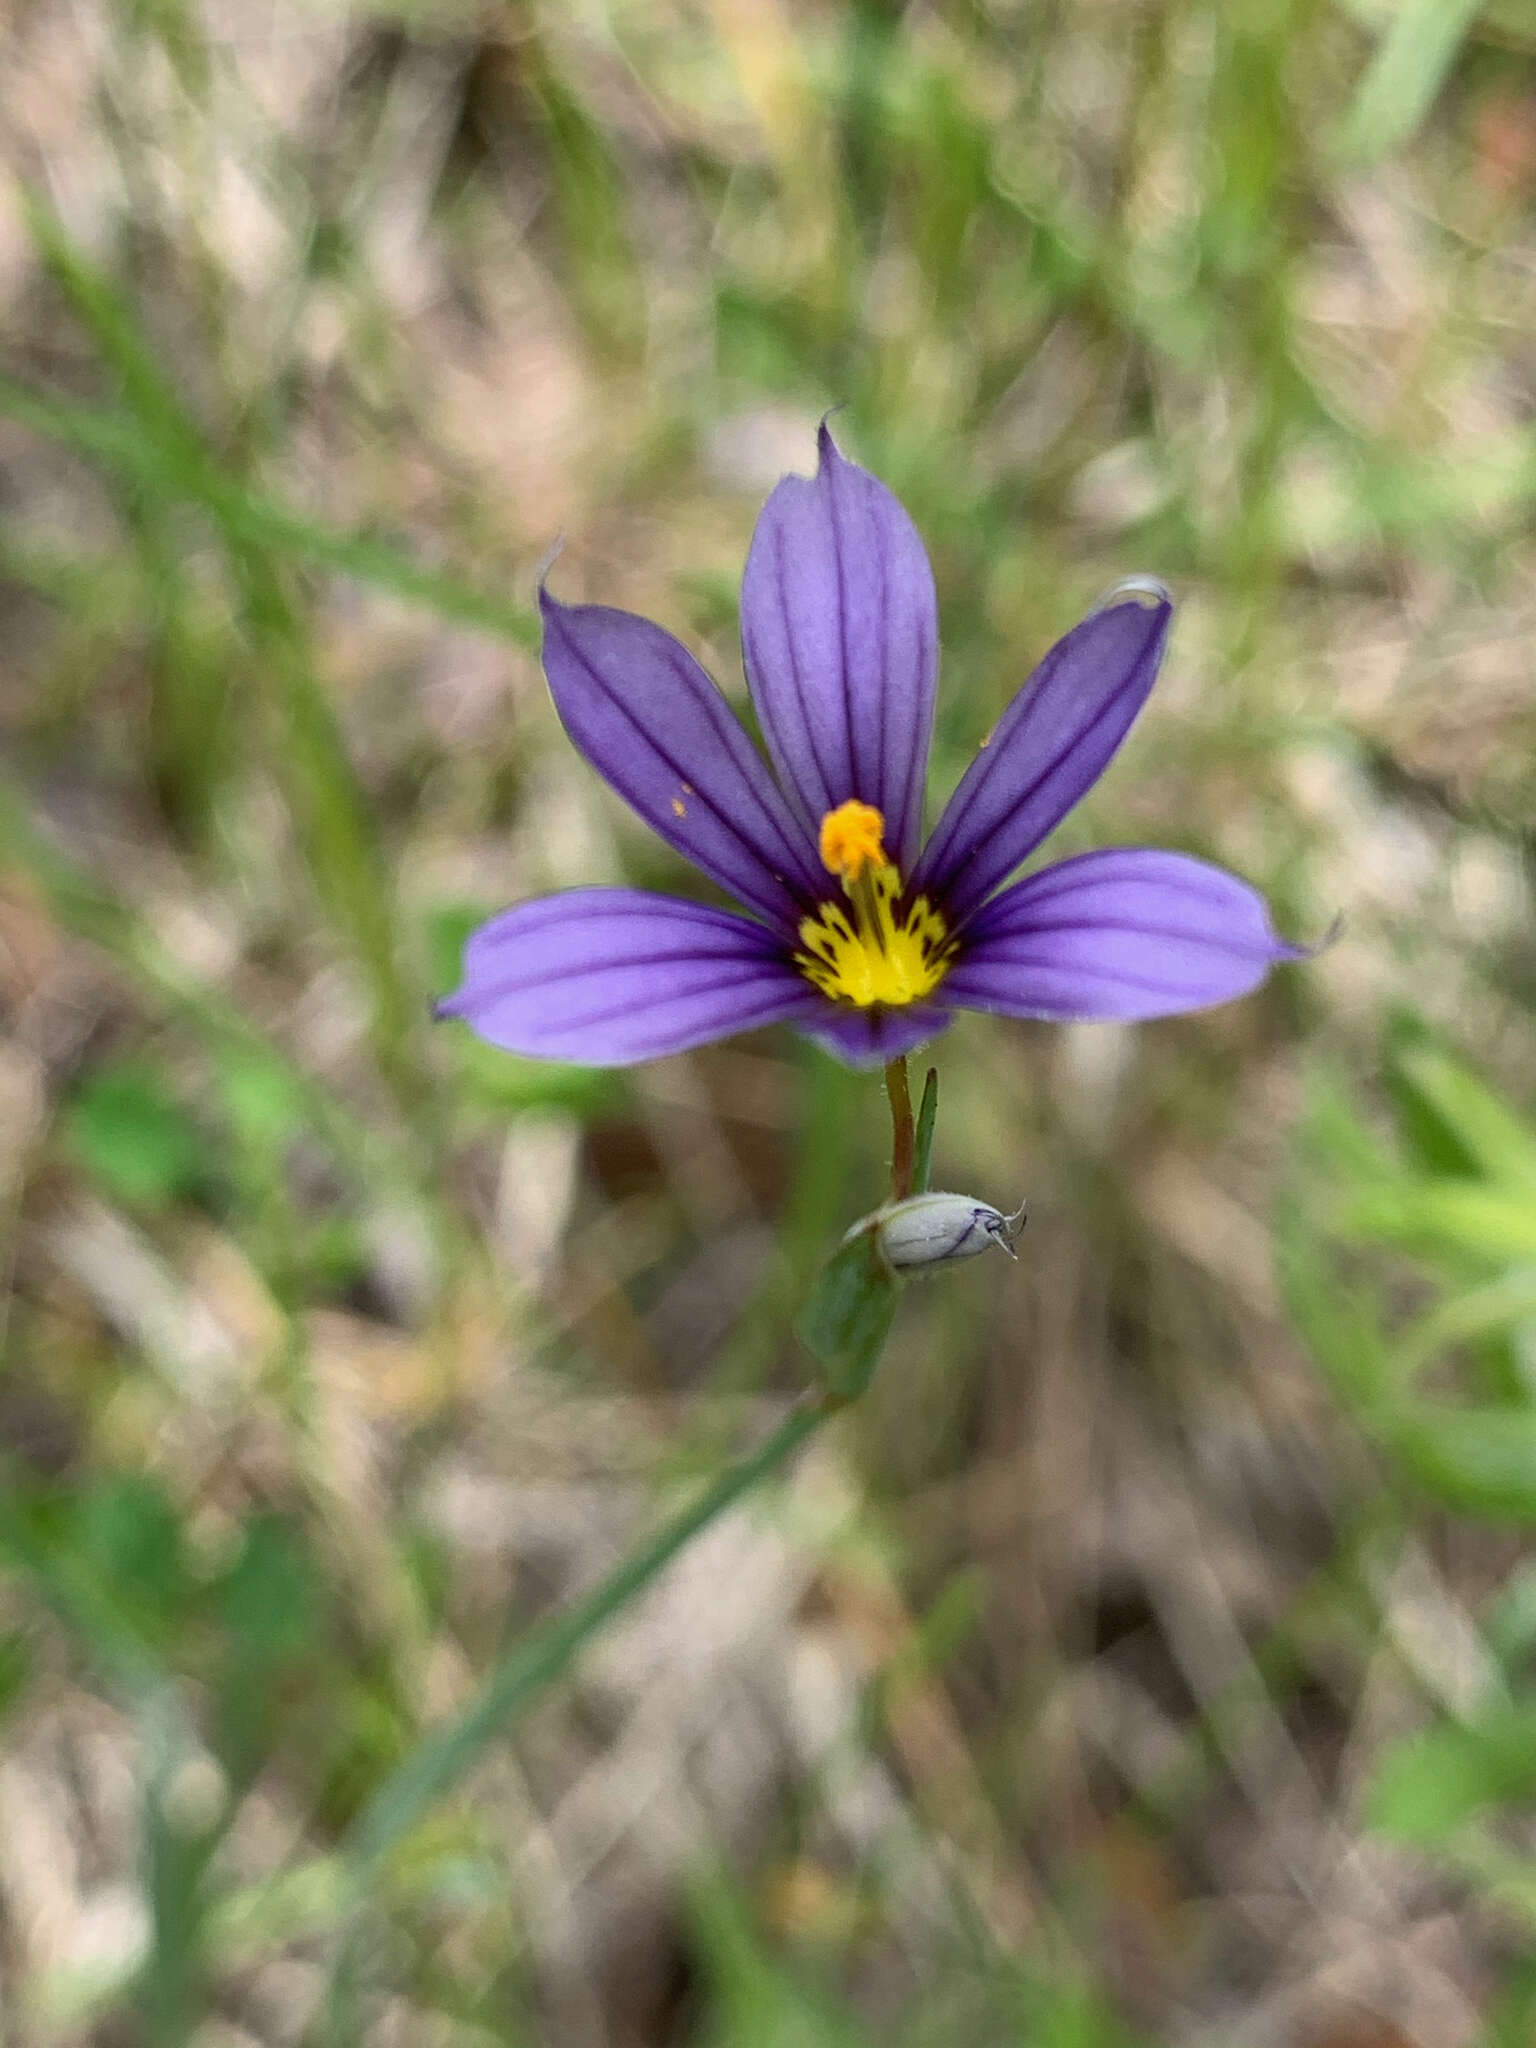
856, 932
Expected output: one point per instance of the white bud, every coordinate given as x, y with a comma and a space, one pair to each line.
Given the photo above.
936, 1229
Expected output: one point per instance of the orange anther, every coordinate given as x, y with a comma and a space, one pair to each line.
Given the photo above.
851, 840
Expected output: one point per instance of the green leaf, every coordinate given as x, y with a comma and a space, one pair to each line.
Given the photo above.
263, 1103
1494, 1224
753, 2002
1492, 1138
1497, 1308
1426, 1787
270, 1598
1480, 1460
846, 1320
1338, 1135
125, 1534
1512, 2023
927, 1114
131, 1136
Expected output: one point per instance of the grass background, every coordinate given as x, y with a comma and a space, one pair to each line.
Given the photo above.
1148, 1657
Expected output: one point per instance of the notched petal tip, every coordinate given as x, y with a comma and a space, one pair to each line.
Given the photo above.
1291, 952
827, 451
839, 631
1297, 949
547, 561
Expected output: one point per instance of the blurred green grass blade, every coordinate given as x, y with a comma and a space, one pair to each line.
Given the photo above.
341, 845
1410, 66
543, 1655
176, 1848
1353, 1154
102, 1566
1481, 1461
1494, 1310
105, 313
1496, 1141
95, 590
1513, 2022
1341, 1325
1441, 1217
85, 907
112, 438
1509, 1624
188, 740
752, 2001
950, 143
606, 287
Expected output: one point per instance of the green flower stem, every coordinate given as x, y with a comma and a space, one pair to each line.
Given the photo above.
903, 1140
538, 1658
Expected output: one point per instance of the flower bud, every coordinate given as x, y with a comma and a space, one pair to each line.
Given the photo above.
936, 1229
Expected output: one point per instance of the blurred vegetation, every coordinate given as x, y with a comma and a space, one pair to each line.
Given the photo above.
1149, 1656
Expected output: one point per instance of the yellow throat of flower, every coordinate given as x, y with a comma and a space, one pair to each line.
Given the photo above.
876, 950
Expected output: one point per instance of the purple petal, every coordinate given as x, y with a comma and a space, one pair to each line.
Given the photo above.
606, 977
839, 629
868, 1038
652, 723
1049, 748
1124, 933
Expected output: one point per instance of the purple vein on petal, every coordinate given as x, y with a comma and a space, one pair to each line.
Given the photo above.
648, 718
608, 976
812, 792
1127, 932
1048, 749
835, 527
839, 633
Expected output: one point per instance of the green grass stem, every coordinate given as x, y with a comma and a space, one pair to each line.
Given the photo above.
543, 1655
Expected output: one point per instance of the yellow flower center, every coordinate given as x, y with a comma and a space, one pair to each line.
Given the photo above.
878, 950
